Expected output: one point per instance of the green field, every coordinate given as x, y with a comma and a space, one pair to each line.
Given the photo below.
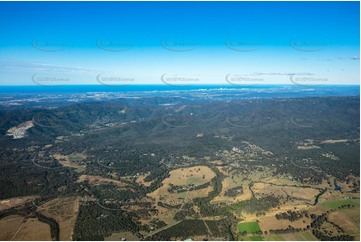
249, 227
336, 204
75, 158
252, 238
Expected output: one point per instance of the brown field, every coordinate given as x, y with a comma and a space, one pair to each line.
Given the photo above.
140, 180
250, 217
318, 210
67, 161
304, 194
229, 183
260, 189
9, 225
194, 194
295, 205
326, 226
191, 175
270, 222
232, 180
183, 177
99, 180
300, 236
118, 236
65, 211
16, 201
348, 219
164, 214
280, 181
15, 227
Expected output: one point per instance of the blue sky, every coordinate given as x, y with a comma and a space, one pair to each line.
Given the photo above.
175, 42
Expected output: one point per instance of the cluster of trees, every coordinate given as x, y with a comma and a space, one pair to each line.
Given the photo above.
235, 191
338, 228
95, 223
260, 213
318, 220
182, 231
299, 174
244, 233
203, 203
156, 183
181, 215
156, 223
354, 184
159, 170
323, 234
254, 205
19, 176
109, 192
165, 205
290, 229
346, 206
177, 188
291, 215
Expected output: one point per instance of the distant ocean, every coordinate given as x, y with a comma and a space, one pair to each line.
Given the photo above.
333, 90
127, 88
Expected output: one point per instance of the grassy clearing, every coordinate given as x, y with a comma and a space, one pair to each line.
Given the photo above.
71, 161
248, 227
196, 175
348, 219
99, 180
270, 222
18, 228
229, 183
336, 204
253, 238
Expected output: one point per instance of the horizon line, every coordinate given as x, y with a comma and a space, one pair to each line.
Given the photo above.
205, 84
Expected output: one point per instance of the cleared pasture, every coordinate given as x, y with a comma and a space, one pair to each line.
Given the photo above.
20, 228
348, 219
248, 227
336, 204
